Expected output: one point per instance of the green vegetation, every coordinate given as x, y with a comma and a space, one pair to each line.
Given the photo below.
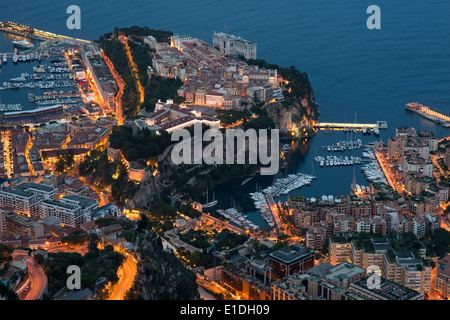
229, 117
189, 211
161, 276
158, 87
204, 240
115, 51
65, 161
438, 243
98, 169
142, 56
144, 145
78, 238
160, 35
95, 264
262, 120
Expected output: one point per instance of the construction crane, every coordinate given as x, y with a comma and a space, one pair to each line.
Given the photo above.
213, 247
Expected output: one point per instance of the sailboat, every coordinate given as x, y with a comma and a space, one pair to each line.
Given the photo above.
246, 180
209, 204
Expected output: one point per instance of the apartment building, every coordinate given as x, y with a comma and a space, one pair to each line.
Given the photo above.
44, 191
443, 277
388, 290
24, 202
69, 214
364, 254
316, 237
414, 162
404, 268
339, 251
16, 224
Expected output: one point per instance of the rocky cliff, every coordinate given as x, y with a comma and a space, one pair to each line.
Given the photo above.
292, 115
161, 276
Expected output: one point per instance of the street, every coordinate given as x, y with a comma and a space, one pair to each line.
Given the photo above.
38, 280
126, 277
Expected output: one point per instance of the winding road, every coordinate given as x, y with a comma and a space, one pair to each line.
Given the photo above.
38, 280
126, 277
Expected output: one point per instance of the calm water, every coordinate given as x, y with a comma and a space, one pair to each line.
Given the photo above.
351, 68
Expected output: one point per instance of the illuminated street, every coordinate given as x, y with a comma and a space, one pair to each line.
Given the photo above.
126, 274
38, 280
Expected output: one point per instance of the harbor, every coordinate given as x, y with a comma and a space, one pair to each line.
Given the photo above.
238, 218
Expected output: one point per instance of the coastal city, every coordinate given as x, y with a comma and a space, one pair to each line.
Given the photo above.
87, 179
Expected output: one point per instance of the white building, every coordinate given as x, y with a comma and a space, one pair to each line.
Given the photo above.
20, 201
229, 44
70, 214
44, 191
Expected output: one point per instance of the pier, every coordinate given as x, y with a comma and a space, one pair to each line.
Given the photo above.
36, 34
429, 113
273, 209
357, 126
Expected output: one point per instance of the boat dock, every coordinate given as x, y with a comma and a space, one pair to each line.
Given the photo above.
429, 113
357, 126
273, 209
36, 34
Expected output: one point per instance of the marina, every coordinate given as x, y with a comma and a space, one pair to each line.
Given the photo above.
330, 161
238, 218
282, 186
372, 169
344, 146
11, 107
261, 203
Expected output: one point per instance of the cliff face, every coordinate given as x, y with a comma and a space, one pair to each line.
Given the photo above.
161, 276
153, 184
147, 189
292, 115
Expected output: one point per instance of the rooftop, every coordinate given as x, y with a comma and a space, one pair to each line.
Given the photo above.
389, 290
82, 200
291, 253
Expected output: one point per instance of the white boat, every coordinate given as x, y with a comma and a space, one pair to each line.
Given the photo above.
5, 58
15, 58
28, 57
376, 130
364, 129
23, 44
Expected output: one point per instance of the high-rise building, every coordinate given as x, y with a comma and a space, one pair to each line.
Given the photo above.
315, 237
70, 214
443, 276
447, 157
290, 260
24, 202
339, 250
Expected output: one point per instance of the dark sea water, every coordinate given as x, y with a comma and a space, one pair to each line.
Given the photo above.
351, 68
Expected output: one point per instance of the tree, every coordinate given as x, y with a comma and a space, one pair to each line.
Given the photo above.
39, 259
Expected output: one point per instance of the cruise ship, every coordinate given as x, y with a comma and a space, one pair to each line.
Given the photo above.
23, 44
